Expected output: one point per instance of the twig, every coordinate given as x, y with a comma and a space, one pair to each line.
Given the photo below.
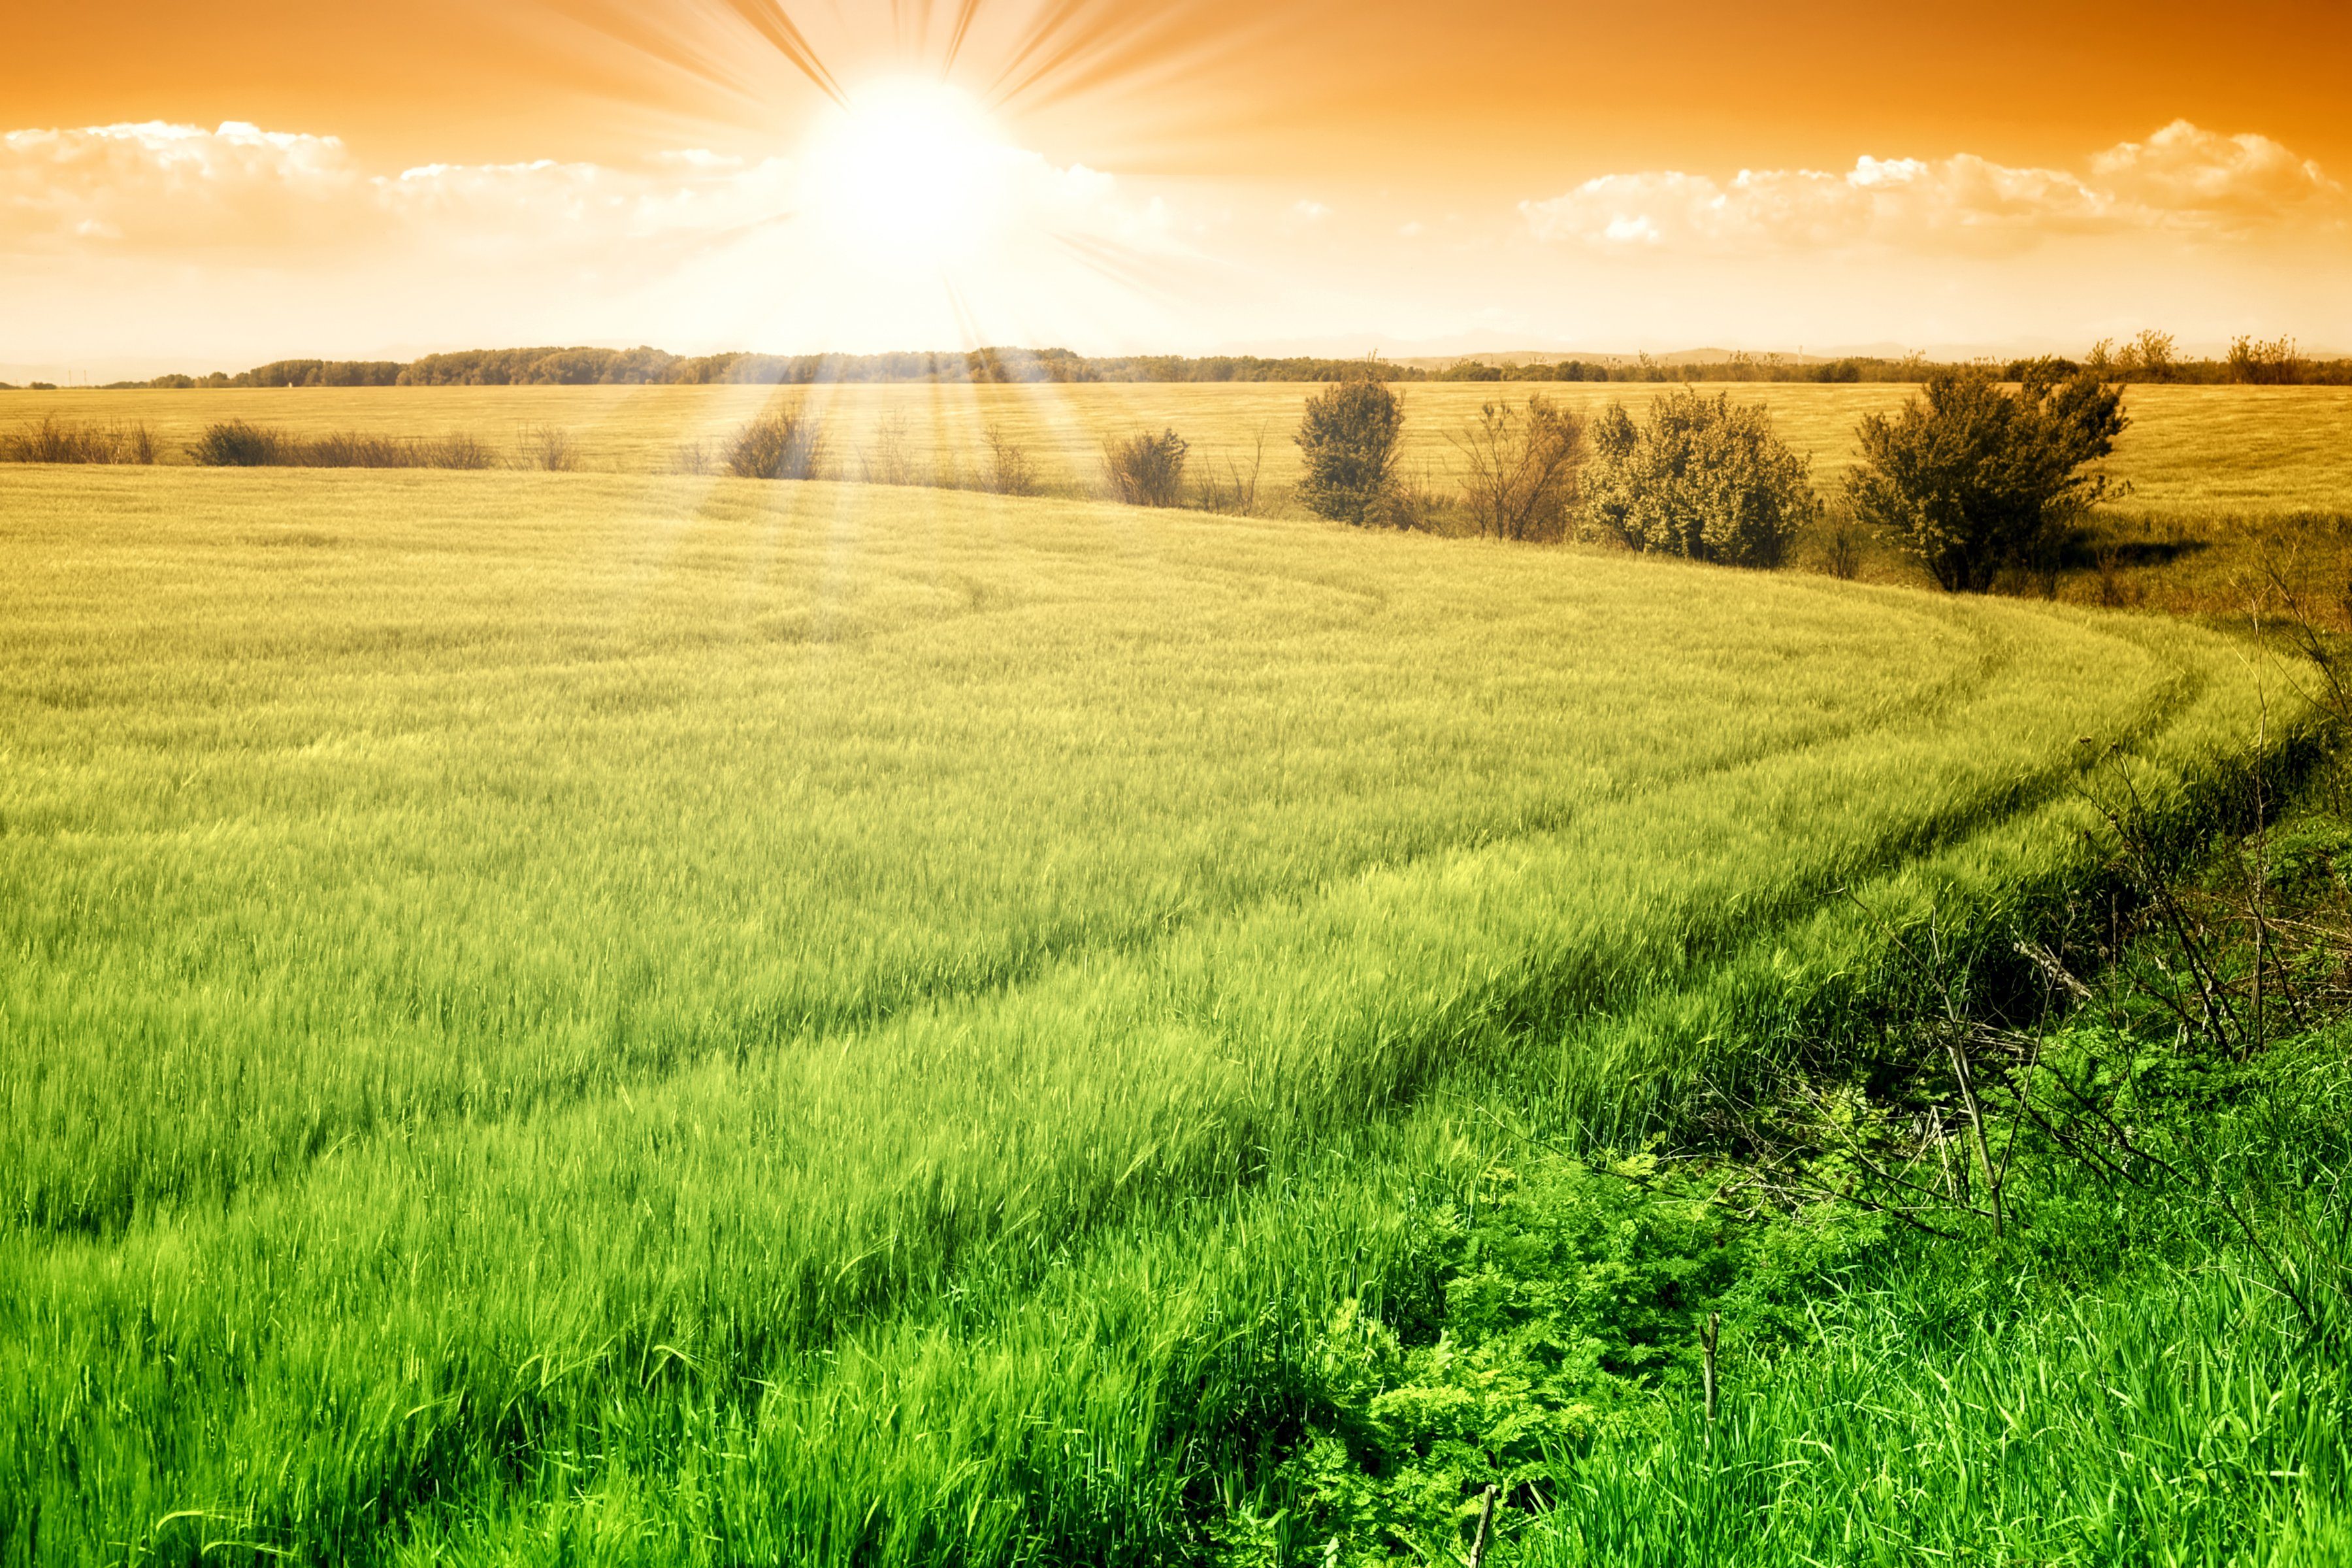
1485, 1518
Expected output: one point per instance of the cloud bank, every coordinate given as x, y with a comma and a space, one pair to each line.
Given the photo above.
2183, 181
157, 187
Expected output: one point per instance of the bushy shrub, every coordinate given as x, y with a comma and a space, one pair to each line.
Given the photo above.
1147, 470
237, 444
1975, 479
787, 442
1699, 477
1347, 440
54, 440
1521, 469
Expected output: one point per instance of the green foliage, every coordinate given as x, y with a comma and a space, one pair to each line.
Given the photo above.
1698, 478
1569, 1298
668, 1023
1348, 444
1145, 469
1976, 479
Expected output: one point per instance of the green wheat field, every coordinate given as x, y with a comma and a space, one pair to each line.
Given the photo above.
633, 1016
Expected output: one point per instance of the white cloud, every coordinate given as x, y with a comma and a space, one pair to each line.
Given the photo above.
2182, 179
2227, 180
177, 189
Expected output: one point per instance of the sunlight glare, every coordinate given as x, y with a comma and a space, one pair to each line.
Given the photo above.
911, 174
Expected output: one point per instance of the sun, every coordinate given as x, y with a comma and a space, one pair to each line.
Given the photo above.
907, 175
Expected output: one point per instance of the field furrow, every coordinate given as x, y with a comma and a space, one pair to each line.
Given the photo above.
496, 986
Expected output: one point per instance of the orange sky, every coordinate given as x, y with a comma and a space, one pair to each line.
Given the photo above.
1224, 172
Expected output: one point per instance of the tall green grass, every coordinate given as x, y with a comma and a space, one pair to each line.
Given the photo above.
819, 1024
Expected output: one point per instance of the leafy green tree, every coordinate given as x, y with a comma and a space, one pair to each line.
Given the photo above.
1974, 478
1701, 477
1348, 438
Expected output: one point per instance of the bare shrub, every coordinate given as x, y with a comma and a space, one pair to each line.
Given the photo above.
692, 457
54, 440
551, 448
888, 459
1842, 544
1233, 492
352, 449
1147, 470
458, 449
1009, 472
1522, 469
785, 443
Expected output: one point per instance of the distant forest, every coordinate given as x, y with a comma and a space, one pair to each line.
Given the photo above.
2149, 357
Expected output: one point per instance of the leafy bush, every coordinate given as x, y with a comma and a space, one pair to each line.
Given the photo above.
1347, 439
785, 443
1147, 470
1564, 1313
1975, 479
1699, 477
1523, 468
54, 440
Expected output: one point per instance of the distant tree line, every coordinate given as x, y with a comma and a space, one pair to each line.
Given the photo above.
2149, 357
655, 367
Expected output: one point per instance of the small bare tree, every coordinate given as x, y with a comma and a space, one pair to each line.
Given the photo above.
550, 448
1010, 471
888, 459
1522, 466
